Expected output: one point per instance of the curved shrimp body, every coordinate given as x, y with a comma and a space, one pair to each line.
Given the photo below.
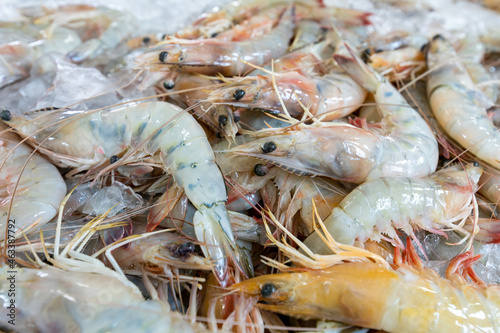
51, 299
371, 295
26, 190
146, 128
410, 148
459, 108
328, 97
402, 145
213, 56
379, 207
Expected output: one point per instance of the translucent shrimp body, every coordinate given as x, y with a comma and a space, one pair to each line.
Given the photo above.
53, 300
458, 106
375, 209
26, 190
375, 296
91, 138
213, 56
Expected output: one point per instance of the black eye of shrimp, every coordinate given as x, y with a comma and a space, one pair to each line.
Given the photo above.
268, 147
146, 40
113, 159
476, 164
5, 115
268, 289
260, 170
168, 85
181, 57
163, 55
238, 94
438, 36
184, 249
222, 120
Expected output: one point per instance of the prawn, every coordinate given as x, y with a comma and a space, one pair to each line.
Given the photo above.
402, 145
459, 108
143, 129
383, 205
360, 288
331, 96
212, 56
25, 177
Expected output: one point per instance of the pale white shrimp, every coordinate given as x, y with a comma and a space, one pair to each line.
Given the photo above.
136, 131
51, 299
16, 59
402, 145
458, 106
31, 188
375, 209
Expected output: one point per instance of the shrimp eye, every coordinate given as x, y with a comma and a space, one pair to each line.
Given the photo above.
238, 94
476, 164
222, 120
168, 84
5, 115
146, 40
236, 118
365, 55
163, 55
260, 170
269, 147
268, 289
181, 57
113, 159
438, 36
184, 249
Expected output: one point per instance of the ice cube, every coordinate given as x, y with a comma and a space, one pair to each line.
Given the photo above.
116, 197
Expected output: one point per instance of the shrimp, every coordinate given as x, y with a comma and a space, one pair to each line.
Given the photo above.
459, 108
212, 56
24, 179
402, 145
51, 299
371, 295
360, 288
379, 207
138, 130
327, 97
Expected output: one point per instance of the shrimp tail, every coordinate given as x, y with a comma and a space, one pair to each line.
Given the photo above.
213, 229
357, 69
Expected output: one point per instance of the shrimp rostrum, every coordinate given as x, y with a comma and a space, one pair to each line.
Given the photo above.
142, 130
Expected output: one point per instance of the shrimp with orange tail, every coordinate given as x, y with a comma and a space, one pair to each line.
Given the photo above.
375, 209
458, 106
212, 56
402, 145
25, 177
357, 287
139, 130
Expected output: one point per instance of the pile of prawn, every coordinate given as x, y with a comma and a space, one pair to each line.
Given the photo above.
274, 165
